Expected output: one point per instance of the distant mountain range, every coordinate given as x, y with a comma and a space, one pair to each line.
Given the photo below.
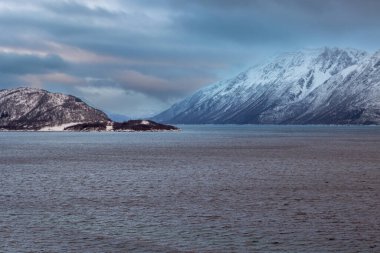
36, 109
318, 86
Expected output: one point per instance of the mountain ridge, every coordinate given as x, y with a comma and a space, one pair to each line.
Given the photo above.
303, 87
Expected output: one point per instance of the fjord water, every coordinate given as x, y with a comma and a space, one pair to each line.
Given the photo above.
203, 189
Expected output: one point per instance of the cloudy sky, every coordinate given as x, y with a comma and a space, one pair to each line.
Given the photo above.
138, 57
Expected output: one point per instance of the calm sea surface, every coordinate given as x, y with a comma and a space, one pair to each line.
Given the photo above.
203, 189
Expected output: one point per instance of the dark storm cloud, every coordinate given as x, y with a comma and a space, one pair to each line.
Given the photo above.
165, 49
278, 21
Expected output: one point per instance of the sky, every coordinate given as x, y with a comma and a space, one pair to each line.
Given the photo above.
138, 57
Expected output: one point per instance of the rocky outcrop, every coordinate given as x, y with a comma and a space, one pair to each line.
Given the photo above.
87, 127
141, 125
34, 109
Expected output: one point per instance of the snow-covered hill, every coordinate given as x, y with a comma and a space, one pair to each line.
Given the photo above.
318, 86
34, 109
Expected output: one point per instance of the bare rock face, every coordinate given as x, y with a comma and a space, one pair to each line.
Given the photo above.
316, 86
33, 109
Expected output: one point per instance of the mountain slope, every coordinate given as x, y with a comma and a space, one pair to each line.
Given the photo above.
29, 108
320, 86
350, 97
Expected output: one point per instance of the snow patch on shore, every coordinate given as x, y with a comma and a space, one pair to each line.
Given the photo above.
145, 122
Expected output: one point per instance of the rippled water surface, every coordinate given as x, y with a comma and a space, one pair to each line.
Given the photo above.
204, 189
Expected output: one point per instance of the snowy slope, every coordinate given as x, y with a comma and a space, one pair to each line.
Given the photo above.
352, 96
303, 87
29, 108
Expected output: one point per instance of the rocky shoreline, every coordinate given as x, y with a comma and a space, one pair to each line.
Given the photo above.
109, 126
127, 126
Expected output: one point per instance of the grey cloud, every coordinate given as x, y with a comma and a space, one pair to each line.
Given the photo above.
11, 63
258, 22
77, 9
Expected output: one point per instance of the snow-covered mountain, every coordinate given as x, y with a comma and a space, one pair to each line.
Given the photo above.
317, 86
33, 109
